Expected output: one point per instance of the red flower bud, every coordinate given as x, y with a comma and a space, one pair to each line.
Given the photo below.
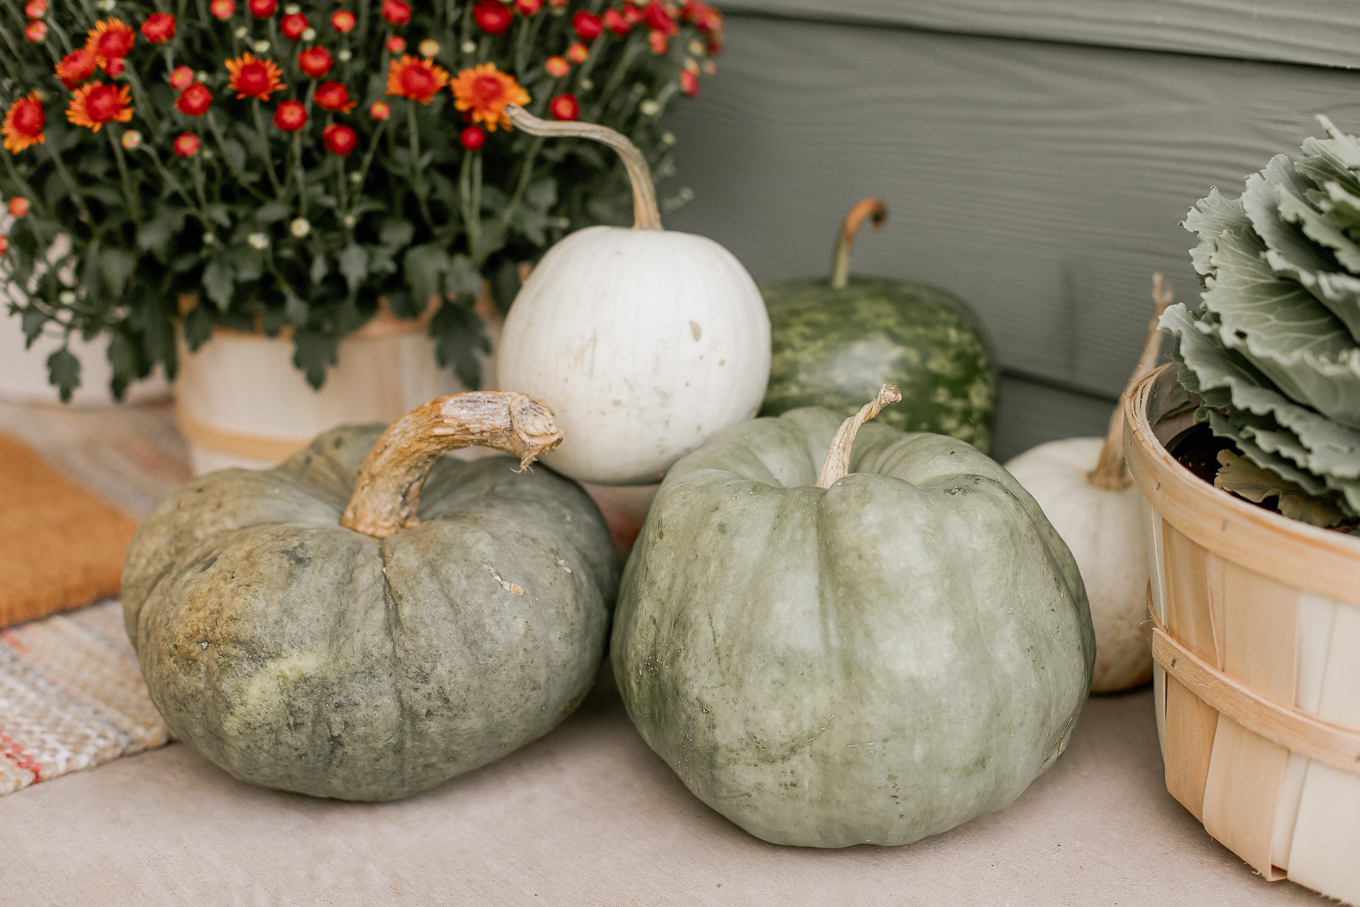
194, 100
557, 66
35, 30
689, 82
660, 43
658, 19
578, 52
339, 139
564, 107
396, 44
492, 17
262, 9
631, 14
35, 9
186, 144
380, 110
290, 116
159, 28
397, 12
75, 68
181, 78
293, 25
528, 7
473, 138
18, 206
587, 25
333, 96
315, 61
223, 9
342, 20
115, 66
4, 244
615, 22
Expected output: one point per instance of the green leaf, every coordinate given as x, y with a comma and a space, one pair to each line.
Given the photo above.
272, 212
197, 327
459, 337
319, 268
218, 281
123, 359
63, 371
33, 320
294, 309
313, 353
463, 279
353, 261
425, 266
396, 233
235, 154
116, 267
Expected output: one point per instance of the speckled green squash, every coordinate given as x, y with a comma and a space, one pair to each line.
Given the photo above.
837, 341
872, 662
298, 654
835, 348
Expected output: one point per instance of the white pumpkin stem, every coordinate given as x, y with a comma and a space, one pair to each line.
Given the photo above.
646, 214
387, 487
872, 209
1109, 473
837, 465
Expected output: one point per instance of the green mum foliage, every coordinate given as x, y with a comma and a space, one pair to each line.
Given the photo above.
1274, 352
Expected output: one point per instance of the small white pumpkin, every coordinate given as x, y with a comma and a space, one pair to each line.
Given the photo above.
1096, 512
643, 342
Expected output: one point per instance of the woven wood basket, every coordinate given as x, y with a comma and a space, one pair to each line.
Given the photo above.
1256, 637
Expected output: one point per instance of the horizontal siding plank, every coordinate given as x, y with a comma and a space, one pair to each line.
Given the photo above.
1315, 32
1043, 183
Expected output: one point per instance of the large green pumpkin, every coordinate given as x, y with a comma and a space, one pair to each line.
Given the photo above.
836, 341
449, 628
870, 662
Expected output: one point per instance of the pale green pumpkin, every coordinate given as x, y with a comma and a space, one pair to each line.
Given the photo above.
870, 662
373, 662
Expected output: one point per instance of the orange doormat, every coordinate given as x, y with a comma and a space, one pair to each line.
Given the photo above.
60, 546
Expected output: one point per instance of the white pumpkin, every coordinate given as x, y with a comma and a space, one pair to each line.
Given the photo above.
1101, 526
1096, 511
643, 342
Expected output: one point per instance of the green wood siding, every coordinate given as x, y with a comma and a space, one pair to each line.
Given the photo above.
1041, 181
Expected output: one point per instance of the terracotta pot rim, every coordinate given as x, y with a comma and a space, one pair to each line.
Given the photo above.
1229, 526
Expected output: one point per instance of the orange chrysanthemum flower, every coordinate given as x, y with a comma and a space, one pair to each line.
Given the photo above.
24, 124
96, 103
482, 92
254, 78
416, 79
111, 39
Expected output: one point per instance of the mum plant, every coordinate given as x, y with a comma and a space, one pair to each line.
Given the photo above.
294, 169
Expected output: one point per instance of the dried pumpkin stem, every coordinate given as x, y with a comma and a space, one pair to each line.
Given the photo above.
872, 209
387, 488
837, 465
646, 214
1109, 473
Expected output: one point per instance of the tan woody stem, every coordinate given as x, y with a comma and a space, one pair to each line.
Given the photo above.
646, 214
837, 464
871, 208
1109, 472
387, 488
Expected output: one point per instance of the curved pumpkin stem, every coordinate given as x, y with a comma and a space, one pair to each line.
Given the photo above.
1109, 472
877, 212
387, 487
837, 465
646, 214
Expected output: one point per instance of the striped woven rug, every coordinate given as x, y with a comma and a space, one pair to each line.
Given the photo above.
71, 697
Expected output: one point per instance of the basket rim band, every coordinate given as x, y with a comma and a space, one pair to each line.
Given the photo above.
1288, 727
